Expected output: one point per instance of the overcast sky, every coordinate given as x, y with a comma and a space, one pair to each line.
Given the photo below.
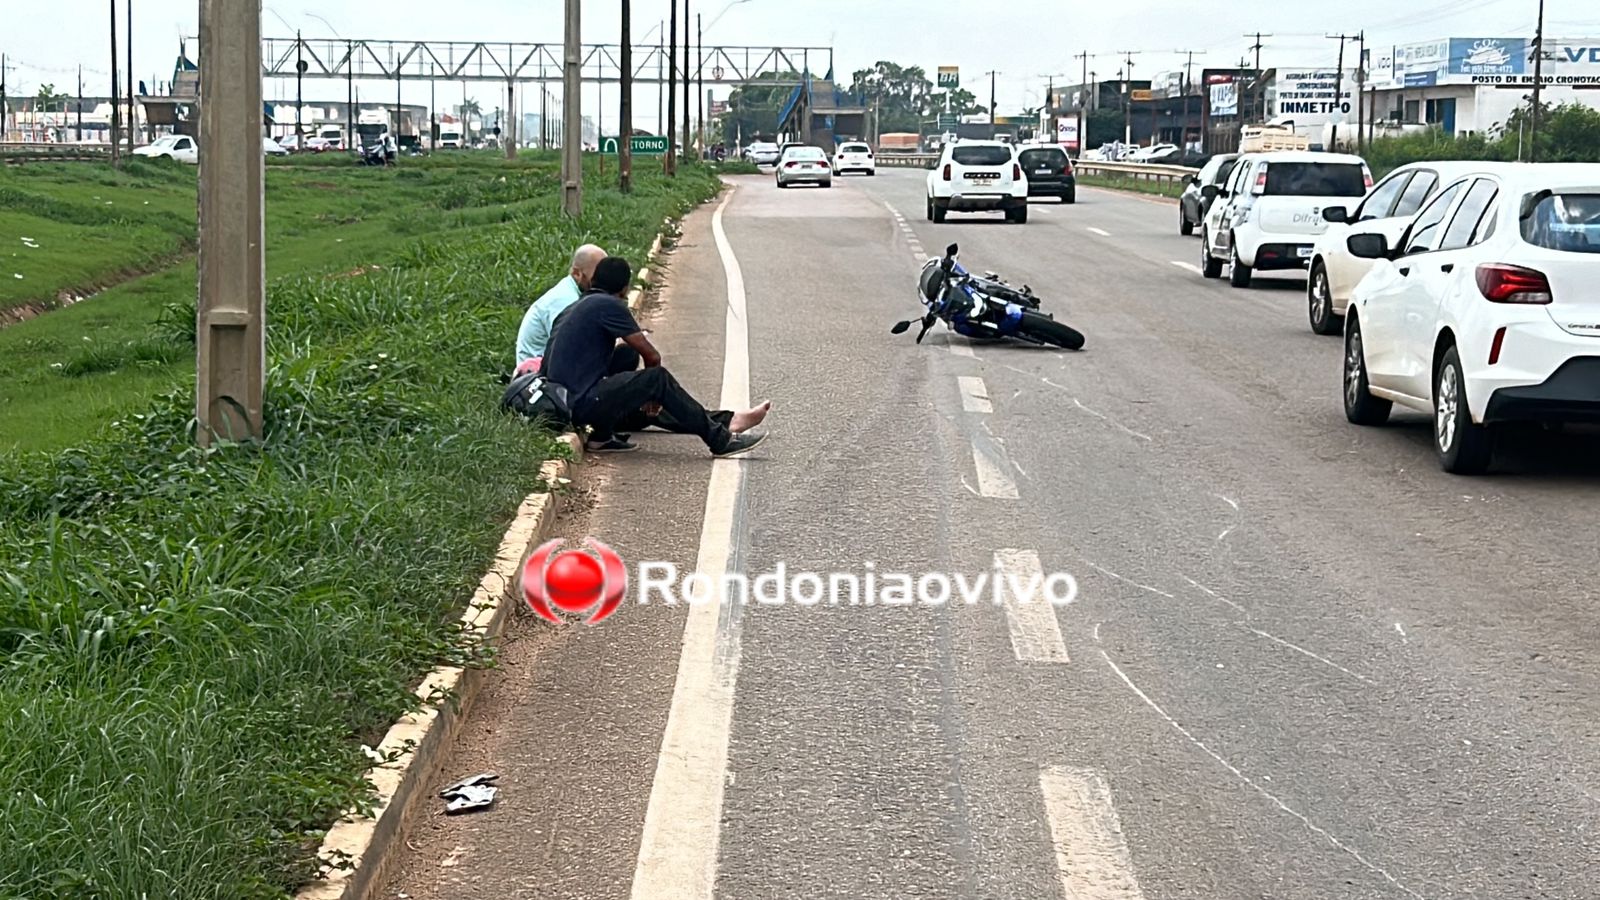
1026, 40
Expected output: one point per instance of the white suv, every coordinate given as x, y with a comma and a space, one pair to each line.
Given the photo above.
978, 176
1487, 310
1269, 212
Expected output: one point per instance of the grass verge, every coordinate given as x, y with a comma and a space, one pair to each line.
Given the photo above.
1131, 185
193, 644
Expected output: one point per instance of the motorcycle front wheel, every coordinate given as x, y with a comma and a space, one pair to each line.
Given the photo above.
1046, 330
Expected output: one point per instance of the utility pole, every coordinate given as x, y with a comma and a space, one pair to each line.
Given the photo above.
1361, 90
299, 92
671, 160
133, 119
5, 103
1338, 111
349, 95
1050, 104
230, 323
1188, 87
1127, 94
3, 100
661, 75
1084, 103
1538, 79
699, 87
433, 109
991, 75
116, 100
625, 105
688, 84
572, 109
1259, 103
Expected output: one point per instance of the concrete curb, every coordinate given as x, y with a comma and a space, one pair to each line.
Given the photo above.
356, 852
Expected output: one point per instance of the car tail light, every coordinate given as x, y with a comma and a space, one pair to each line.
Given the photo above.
790, 165
1368, 177
1261, 182
1502, 283
1066, 169
946, 171
1499, 339
824, 164
869, 154
1016, 171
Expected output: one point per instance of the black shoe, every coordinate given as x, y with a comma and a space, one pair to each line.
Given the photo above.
739, 443
615, 444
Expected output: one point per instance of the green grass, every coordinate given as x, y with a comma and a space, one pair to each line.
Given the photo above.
1135, 185
193, 645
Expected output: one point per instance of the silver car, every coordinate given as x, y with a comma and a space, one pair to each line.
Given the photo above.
804, 165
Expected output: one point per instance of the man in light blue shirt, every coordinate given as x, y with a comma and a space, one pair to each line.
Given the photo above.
538, 321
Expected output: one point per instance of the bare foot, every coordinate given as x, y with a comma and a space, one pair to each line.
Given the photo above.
750, 418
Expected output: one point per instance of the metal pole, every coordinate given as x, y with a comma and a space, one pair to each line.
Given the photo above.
116, 94
3, 102
349, 95
230, 321
133, 117
700, 87
433, 109
299, 92
1361, 91
1338, 93
687, 81
661, 94
512, 131
671, 161
1538, 79
625, 104
572, 108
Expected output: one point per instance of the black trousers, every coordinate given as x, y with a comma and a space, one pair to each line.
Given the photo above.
626, 359
619, 397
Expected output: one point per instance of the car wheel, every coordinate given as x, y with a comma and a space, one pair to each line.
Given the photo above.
1319, 302
1464, 447
1360, 407
939, 212
1238, 272
1210, 266
1071, 197
1019, 215
1185, 227
828, 183
930, 209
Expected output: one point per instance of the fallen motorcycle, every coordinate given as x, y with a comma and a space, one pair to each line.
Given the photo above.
984, 307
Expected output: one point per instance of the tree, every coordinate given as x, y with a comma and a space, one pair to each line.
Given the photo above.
753, 107
469, 110
1567, 133
50, 101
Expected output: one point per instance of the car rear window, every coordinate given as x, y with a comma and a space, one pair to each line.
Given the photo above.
805, 153
1052, 156
1315, 179
981, 155
1569, 222
853, 148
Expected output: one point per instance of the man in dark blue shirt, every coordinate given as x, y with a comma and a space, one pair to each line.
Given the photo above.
606, 388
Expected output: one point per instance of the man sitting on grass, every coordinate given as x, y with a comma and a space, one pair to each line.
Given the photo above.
539, 321
608, 392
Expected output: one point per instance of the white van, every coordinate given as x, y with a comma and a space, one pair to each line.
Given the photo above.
1268, 214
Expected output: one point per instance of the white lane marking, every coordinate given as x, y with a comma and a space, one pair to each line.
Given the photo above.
682, 824
1091, 854
1215, 596
1230, 502
1311, 826
1100, 231
1035, 632
1079, 404
1225, 532
1403, 638
974, 395
992, 481
1142, 587
957, 344
1190, 266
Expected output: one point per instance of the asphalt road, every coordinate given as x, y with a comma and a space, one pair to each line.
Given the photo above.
1302, 661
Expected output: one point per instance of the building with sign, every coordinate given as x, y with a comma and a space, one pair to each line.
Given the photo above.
1468, 85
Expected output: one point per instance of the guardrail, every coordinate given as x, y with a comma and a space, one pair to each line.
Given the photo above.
1135, 171
16, 153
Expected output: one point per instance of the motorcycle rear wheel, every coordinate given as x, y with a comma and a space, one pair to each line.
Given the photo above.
1046, 330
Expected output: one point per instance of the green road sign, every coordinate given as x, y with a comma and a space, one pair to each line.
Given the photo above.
947, 120
643, 145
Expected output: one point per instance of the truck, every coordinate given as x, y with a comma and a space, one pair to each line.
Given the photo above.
333, 134
897, 142
371, 127
450, 136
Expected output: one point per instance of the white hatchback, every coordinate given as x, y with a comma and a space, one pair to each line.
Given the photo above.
1485, 311
854, 156
1388, 208
1268, 213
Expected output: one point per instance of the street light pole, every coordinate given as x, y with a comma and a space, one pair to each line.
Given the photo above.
133, 119
672, 92
116, 101
688, 83
1538, 78
572, 108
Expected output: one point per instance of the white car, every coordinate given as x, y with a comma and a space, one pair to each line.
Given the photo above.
763, 153
804, 165
1485, 311
978, 176
1388, 208
272, 147
1268, 213
1152, 153
180, 147
854, 156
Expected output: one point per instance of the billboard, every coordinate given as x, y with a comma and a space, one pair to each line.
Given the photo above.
1487, 56
949, 76
1067, 133
1315, 96
1225, 99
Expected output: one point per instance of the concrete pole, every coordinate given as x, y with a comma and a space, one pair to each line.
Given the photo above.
671, 160
688, 81
116, 101
231, 338
625, 104
572, 110
512, 136
133, 117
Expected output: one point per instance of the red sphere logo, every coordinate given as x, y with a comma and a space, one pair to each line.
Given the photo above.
574, 582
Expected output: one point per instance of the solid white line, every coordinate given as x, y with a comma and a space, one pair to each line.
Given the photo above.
1299, 649
992, 481
1142, 587
1190, 266
1272, 798
957, 344
1100, 231
974, 395
1035, 633
682, 824
1091, 854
